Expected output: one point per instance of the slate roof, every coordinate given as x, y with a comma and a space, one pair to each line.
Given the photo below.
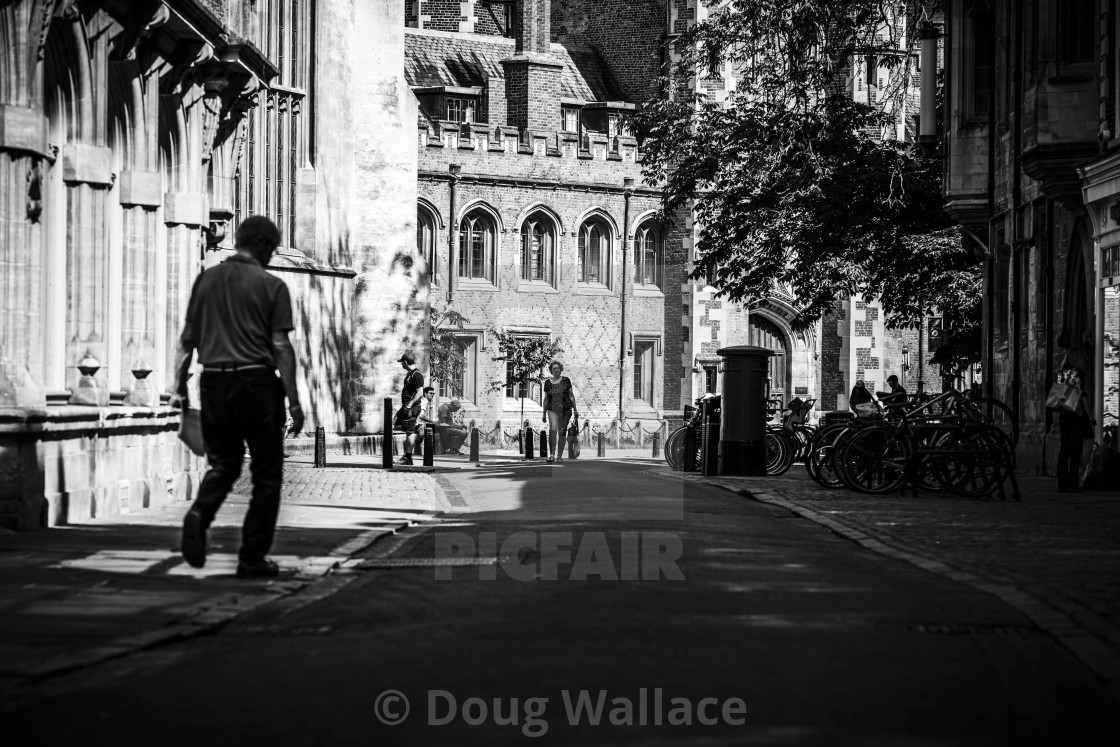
444, 59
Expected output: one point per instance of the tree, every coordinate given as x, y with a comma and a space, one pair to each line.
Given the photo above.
527, 356
446, 360
793, 182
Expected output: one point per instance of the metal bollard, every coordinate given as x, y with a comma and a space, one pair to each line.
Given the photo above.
387, 436
528, 438
320, 446
656, 445
429, 447
602, 445
544, 444
474, 444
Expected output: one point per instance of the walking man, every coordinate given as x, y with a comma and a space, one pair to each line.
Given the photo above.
238, 321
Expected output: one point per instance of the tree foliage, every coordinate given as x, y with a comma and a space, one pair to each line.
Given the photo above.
527, 357
794, 183
446, 359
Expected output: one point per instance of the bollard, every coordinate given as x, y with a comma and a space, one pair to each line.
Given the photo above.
387, 436
656, 445
474, 444
320, 446
521, 441
429, 447
602, 445
544, 444
528, 443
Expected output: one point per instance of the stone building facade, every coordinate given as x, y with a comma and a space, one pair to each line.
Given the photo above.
507, 142
823, 362
133, 138
532, 214
1033, 175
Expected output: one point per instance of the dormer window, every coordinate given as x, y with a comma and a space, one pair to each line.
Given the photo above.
459, 109
569, 118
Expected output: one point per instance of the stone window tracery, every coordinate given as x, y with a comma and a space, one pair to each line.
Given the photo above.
276, 138
538, 249
648, 254
477, 246
426, 242
594, 252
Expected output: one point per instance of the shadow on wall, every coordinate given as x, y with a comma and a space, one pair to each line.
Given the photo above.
390, 317
326, 341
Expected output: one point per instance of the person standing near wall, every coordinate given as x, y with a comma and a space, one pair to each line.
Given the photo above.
1073, 430
238, 319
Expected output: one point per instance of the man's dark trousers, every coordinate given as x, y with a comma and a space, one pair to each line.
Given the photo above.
237, 408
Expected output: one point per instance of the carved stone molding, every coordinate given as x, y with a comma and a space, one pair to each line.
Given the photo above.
1055, 168
144, 17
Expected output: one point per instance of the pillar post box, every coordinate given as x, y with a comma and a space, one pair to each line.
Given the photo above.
742, 443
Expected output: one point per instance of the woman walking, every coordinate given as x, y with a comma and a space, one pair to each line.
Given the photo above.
1074, 429
559, 405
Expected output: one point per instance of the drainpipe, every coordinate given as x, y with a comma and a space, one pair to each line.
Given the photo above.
627, 192
453, 232
1021, 302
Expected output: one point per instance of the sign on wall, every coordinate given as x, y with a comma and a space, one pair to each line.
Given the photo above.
936, 333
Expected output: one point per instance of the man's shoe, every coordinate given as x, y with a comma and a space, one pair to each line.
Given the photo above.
263, 568
193, 543
405, 460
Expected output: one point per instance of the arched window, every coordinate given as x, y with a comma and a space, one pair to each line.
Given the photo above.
594, 252
538, 248
426, 241
649, 254
477, 246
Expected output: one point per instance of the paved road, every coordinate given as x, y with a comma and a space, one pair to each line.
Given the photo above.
822, 641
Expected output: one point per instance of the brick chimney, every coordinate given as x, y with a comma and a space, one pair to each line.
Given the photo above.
533, 74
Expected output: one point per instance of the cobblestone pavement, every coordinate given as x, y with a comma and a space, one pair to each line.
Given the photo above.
1054, 556
73, 596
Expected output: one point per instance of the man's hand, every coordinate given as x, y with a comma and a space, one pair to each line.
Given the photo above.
179, 401
297, 419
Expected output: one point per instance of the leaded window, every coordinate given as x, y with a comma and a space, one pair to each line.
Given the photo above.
538, 249
594, 253
477, 236
649, 254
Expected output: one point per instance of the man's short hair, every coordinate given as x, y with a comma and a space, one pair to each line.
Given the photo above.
259, 234
891, 378
429, 389
455, 403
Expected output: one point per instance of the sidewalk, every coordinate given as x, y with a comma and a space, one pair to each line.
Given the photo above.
73, 596
1055, 557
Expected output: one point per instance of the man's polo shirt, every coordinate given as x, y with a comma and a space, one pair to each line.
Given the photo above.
234, 309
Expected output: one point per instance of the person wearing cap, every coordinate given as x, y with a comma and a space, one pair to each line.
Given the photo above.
419, 418
238, 320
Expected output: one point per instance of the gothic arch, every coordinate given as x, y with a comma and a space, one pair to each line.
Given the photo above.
540, 207
641, 218
598, 212
429, 207
487, 208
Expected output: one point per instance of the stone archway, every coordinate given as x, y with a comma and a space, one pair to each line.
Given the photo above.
766, 333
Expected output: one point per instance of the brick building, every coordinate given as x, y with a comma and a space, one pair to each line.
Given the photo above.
519, 104
532, 215
1033, 174
133, 138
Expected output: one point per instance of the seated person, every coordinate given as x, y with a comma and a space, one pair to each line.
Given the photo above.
451, 433
895, 400
415, 424
860, 400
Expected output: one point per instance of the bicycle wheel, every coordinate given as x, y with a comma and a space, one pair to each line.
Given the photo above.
674, 450
779, 455
819, 461
927, 466
876, 460
994, 412
980, 463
